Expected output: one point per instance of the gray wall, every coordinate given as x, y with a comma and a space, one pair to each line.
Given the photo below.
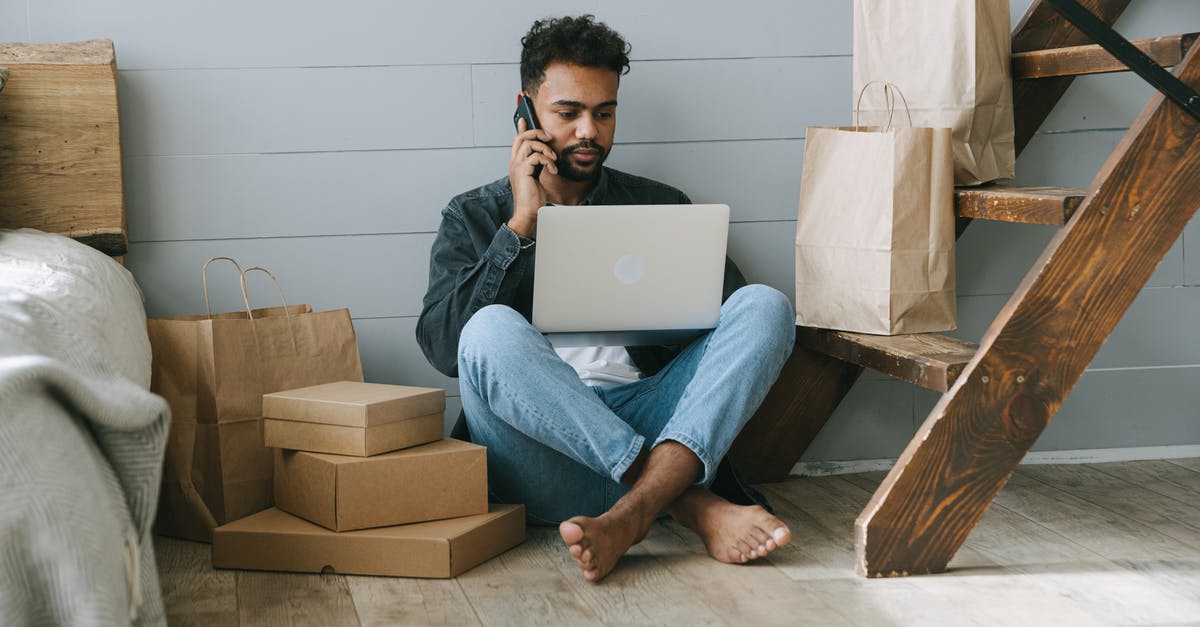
322, 140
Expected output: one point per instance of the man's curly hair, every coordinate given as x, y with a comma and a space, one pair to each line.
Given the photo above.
573, 40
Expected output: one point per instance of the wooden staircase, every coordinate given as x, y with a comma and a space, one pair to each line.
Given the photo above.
999, 395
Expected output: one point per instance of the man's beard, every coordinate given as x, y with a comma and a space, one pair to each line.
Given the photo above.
567, 170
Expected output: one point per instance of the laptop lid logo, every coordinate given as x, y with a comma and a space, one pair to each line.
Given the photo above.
630, 269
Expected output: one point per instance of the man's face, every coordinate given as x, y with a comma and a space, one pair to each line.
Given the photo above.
577, 106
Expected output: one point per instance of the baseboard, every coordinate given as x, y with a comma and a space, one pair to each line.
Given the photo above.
1078, 456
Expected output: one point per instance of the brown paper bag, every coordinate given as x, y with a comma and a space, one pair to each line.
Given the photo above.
875, 231
213, 370
952, 58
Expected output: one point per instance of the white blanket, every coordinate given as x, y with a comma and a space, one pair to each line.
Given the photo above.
81, 438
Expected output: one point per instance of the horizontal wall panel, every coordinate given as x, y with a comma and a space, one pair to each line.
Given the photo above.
1158, 329
1099, 101
209, 197
1066, 159
390, 354
994, 257
1117, 409
1125, 408
1191, 241
340, 193
375, 276
759, 180
14, 25
766, 253
680, 29
275, 33
1161, 17
154, 34
718, 99
874, 421
197, 112
453, 409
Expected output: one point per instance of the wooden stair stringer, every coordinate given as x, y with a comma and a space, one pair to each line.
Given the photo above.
797, 407
1039, 345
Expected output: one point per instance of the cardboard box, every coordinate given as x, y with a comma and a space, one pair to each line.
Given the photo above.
445, 479
353, 418
354, 403
357, 441
276, 540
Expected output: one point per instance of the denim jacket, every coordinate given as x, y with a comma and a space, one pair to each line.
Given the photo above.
477, 261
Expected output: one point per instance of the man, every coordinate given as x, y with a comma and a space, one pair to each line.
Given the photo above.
648, 429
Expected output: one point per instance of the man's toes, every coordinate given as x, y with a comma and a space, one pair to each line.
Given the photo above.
782, 535
585, 557
746, 551
575, 550
571, 531
758, 540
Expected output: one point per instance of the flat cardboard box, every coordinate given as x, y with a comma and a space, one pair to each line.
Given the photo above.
358, 441
354, 403
445, 479
276, 540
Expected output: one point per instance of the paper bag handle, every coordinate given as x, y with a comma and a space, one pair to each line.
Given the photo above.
888, 99
287, 314
204, 275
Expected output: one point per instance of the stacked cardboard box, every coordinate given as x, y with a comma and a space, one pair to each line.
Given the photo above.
365, 484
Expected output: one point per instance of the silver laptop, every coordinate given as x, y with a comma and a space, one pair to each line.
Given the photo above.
628, 275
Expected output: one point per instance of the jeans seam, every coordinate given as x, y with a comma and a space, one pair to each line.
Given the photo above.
635, 448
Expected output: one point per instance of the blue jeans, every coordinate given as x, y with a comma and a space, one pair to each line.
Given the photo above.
561, 447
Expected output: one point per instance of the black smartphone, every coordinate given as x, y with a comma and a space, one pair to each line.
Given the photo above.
525, 110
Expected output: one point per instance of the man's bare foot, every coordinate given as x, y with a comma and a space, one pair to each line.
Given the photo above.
599, 542
733, 534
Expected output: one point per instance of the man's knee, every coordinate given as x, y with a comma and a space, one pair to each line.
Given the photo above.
767, 304
487, 325
491, 331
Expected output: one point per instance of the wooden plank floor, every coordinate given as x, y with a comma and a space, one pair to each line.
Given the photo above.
1093, 544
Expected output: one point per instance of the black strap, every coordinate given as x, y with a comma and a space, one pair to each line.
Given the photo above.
1129, 54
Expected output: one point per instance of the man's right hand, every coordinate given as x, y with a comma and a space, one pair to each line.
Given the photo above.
529, 150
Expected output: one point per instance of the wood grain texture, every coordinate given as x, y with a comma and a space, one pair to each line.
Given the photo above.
1018, 203
1092, 59
1043, 28
1039, 346
1046, 562
756, 593
194, 593
809, 388
269, 598
1176, 519
929, 360
401, 601
61, 155
1052, 551
519, 586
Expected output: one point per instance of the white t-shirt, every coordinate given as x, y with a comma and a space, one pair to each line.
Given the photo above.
601, 366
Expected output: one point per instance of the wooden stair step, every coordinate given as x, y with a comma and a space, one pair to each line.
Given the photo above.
1017, 203
1092, 59
926, 359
